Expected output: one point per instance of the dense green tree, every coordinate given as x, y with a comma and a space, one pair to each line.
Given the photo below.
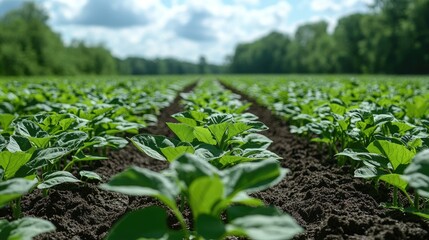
392, 37
91, 59
347, 36
314, 52
202, 65
265, 55
27, 45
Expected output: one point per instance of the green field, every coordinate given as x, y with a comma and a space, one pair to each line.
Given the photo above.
58, 132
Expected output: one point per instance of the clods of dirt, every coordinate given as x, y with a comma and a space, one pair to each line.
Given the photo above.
326, 200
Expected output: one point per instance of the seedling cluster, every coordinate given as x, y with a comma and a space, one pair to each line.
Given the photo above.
381, 128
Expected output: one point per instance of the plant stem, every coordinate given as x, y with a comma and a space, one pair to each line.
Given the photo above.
182, 222
45, 192
69, 165
16, 208
416, 200
395, 196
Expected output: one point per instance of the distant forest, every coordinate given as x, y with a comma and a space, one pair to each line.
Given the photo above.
391, 38
28, 46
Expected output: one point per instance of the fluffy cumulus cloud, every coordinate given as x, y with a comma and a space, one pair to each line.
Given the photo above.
116, 14
184, 29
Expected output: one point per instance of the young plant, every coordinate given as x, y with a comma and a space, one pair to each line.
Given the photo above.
209, 193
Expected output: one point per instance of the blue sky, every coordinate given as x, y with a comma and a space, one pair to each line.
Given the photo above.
184, 29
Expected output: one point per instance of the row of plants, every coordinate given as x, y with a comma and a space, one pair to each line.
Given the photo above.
217, 159
379, 125
49, 129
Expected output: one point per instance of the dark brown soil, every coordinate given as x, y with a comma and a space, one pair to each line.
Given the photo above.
324, 198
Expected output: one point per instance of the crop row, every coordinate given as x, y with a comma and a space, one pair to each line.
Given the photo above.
50, 128
380, 127
217, 159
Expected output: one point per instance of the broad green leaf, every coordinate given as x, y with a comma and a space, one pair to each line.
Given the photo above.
151, 145
183, 131
397, 154
204, 135
204, 194
116, 142
66, 124
90, 175
146, 223
210, 227
189, 167
380, 119
237, 128
41, 142
418, 107
11, 162
43, 157
244, 199
372, 159
187, 121
368, 172
137, 181
56, 178
71, 140
253, 177
417, 173
255, 126
207, 151
18, 144
337, 109
30, 129
25, 228
415, 143
230, 160
400, 127
6, 107
263, 224
192, 118
259, 154
14, 188
3, 142
101, 111
171, 153
84, 158
217, 118
256, 140
394, 180
219, 130
5, 120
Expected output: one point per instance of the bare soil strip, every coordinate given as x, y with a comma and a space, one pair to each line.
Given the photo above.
326, 199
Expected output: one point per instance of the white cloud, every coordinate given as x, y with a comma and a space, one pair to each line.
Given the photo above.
248, 2
183, 29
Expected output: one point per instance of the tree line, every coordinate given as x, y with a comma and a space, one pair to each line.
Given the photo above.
393, 38
28, 46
